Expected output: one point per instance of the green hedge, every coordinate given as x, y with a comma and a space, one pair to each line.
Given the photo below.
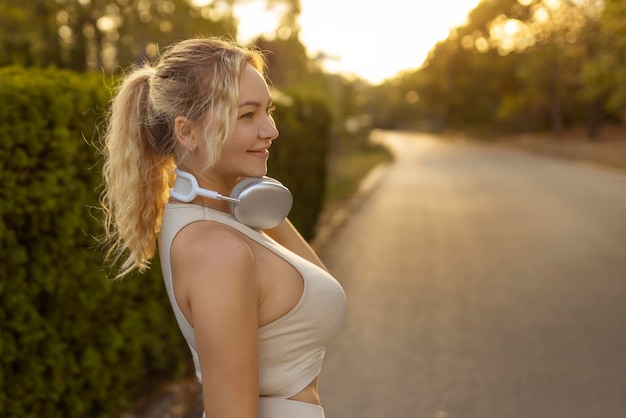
298, 156
73, 343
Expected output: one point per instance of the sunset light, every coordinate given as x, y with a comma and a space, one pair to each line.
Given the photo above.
364, 38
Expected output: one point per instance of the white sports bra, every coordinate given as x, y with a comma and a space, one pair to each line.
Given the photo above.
291, 349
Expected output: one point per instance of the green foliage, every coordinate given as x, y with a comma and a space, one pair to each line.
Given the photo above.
287, 61
604, 77
298, 156
112, 34
88, 35
518, 66
72, 342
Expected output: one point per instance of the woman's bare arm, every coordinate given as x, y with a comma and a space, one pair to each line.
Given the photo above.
214, 270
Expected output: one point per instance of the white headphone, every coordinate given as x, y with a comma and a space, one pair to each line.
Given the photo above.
258, 202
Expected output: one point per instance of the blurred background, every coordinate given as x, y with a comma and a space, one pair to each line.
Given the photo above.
543, 75
525, 66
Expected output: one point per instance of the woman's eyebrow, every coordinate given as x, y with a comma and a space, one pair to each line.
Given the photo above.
254, 103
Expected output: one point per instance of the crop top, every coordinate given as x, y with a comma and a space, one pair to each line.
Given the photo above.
291, 348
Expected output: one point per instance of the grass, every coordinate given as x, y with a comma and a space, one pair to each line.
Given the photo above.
350, 168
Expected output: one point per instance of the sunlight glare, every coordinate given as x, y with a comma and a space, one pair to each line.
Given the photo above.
376, 42
256, 19
364, 39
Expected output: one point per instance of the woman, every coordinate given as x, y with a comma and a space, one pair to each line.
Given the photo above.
257, 307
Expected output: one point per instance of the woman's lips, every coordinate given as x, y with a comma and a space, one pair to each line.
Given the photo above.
259, 153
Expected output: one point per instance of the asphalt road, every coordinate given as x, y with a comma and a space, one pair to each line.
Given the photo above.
481, 283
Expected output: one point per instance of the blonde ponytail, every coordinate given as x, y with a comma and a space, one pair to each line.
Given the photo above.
198, 79
135, 174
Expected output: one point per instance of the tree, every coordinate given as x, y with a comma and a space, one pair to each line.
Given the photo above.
603, 74
525, 65
109, 34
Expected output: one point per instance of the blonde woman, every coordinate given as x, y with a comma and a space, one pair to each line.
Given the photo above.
256, 306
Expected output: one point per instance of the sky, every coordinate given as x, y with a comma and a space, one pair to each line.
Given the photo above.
373, 40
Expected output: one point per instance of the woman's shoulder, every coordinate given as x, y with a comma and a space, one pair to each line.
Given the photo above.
206, 241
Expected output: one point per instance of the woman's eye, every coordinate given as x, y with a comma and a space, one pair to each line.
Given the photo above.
248, 115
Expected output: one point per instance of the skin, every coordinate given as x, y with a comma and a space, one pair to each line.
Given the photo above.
249, 286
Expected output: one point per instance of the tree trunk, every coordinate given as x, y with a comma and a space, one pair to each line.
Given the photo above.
594, 118
556, 115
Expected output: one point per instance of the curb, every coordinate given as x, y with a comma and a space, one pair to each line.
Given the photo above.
337, 216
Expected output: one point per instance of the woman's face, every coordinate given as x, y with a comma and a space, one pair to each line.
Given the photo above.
245, 152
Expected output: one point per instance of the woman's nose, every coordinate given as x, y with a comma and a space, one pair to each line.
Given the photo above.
269, 131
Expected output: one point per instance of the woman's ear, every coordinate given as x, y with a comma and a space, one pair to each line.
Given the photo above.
183, 129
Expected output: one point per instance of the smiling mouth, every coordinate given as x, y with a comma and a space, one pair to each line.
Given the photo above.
259, 152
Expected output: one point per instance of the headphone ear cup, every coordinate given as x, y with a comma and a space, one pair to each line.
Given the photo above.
263, 203
242, 184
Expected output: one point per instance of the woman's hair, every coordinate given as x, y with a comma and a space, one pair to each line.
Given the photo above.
198, 79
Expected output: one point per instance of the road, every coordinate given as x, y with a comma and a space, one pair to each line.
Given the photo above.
481, 283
